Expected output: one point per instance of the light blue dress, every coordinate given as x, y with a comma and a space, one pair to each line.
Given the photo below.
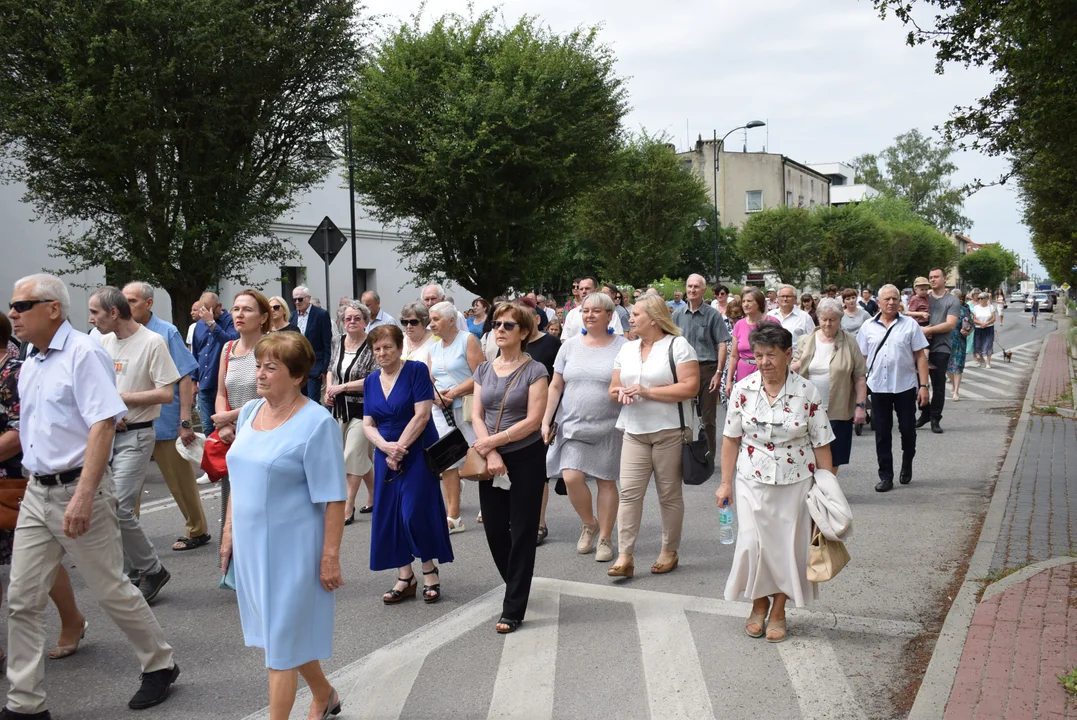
281, 482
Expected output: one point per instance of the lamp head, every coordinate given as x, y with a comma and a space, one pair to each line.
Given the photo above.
755, 124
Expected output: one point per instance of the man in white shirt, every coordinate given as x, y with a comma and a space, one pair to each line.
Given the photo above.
146, 378
545, 308
894, 347
432, 295
792, 318
573, 324
378, 317
194, 321
70, 407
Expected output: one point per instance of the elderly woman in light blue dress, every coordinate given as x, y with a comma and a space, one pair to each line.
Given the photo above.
284, 523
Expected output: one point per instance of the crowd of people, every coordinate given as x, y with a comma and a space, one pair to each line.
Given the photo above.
596, 397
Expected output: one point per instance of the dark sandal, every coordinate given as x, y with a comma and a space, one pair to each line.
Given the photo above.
543, 532
510, 626
436, 589
397, 596
190, 543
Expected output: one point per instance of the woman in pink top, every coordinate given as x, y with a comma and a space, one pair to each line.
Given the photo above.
753, 303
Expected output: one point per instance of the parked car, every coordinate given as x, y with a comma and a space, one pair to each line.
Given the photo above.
1047, 302
1017, 297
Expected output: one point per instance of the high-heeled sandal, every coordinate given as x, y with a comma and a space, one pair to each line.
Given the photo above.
397, 596
436, 589
62, 651
626, 571
333, 708
661, 568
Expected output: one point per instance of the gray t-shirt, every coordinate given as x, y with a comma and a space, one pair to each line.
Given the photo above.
493, 391
940, 308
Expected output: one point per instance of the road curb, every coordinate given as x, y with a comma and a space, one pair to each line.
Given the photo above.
938, 680
1001, 586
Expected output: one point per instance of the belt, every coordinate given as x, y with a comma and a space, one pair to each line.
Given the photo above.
61, 478
136, 426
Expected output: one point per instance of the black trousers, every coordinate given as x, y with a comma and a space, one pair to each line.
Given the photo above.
937, 378
511, 521
883, 407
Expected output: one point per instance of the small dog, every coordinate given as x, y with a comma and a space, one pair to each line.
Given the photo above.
1007, 355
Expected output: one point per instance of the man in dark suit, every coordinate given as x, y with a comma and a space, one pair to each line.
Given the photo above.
315, 324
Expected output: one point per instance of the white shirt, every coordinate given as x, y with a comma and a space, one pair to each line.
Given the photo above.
819, 370
796, 322
550, 314
648, 416
382, 318
63, 392
190, 334
983, 314
301, 321
573, 324
894, 370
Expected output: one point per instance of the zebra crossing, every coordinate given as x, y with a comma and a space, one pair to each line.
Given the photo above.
1003, 380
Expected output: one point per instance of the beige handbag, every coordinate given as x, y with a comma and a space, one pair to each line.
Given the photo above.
826, 558
474, 467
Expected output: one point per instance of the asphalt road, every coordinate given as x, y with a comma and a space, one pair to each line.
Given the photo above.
652, 647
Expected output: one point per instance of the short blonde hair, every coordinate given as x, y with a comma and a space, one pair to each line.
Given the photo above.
655, 308
291, 349
283, 305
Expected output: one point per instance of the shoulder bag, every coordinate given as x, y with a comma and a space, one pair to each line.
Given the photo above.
826, 558
475, 467
11, 494
214, 451
887, 335
697, 460
447, 451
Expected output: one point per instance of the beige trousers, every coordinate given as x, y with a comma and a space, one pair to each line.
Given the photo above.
179, 476
40, 544
657, 453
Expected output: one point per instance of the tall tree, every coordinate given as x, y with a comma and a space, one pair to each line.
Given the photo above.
697, 256
852, 247
174, 131
639, 219
478, 138
917, 169
988, 267
783, 239
907, 246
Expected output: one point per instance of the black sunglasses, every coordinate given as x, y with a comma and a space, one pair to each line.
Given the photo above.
509, 325
411, 322
21, 306
275, 307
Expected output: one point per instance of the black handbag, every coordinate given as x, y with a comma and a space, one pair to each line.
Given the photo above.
697, 460
449, 450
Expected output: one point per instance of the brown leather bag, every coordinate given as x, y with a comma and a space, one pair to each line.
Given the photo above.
475, 467
11, 492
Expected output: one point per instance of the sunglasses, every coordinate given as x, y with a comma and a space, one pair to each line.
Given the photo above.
275, 307
411, 323
508, 325
299, 299
21, 306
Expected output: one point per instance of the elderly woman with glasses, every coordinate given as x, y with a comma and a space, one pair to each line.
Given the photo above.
418, 337
776, 437
279, 317
831, 360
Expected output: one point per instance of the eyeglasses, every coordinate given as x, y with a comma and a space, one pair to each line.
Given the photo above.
411, 322
352, 319
21, 306
301, 298
275, 307
508, 325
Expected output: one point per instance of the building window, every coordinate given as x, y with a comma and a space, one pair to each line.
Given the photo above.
800, 201
753, 201
789, 198
813, 186
811, 203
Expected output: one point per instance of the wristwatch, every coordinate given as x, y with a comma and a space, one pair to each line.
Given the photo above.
923, 386
185, 424
863, 406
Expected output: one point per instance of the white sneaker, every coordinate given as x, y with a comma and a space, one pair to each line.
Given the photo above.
204, 480
604, 552
586, 542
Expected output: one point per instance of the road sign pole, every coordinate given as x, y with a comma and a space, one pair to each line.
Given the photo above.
328, 298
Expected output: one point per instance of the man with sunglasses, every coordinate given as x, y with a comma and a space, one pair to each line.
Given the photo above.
573, 324
67, 430
317, 327
212, 332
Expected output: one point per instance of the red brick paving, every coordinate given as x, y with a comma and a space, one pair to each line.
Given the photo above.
1019, 642
1054, 379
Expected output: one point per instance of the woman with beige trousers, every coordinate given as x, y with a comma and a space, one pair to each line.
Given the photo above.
649, 392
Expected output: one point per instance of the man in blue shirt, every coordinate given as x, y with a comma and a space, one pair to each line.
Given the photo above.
677, 302
213, 330
174, 421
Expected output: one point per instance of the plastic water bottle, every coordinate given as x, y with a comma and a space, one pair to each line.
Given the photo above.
726, 534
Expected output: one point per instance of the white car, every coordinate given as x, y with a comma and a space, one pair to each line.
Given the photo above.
1017, 297
1046, 303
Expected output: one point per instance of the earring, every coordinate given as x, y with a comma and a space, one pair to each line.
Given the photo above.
583, 332
609, 330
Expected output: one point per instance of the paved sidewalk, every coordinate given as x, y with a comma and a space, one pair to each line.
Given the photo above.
1055, 376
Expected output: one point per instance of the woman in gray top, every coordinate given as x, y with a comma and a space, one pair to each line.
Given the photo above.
510, 399
584, 441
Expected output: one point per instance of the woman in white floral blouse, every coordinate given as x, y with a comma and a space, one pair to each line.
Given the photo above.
776, 435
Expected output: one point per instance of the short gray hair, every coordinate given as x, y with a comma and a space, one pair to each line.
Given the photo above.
49, 287
303, 290
786, 286
437, 288
601, 299
444, 310
889, 286
356, 305
144, 288
110, 298
830, 305
417, 309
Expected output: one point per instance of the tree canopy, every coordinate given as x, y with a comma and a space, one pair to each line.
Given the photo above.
478, 138
172, 132
783, 239
988, 267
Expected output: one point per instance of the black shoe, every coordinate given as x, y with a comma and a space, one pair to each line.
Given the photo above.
6, 714
905, 477
154, 689
152, 584
543, 531
351, 519
936, 427
884, 486
924, 420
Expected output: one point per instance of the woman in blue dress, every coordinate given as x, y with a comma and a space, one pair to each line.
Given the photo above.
284, 522
409, 510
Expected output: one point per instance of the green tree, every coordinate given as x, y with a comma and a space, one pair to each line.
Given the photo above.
853, 245
785, 240
697, 256
988, 267
478, 138
918, 170
908, 246
173, 131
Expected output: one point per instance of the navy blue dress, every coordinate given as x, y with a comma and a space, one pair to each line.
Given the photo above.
409, 512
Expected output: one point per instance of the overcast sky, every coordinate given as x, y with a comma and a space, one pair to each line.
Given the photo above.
829, 77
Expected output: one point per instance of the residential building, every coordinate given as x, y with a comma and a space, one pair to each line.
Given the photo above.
843, 186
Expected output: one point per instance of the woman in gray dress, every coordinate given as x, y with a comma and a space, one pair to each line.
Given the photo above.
585, 442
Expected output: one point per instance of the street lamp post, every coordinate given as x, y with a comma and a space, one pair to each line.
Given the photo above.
351, 206
717, 155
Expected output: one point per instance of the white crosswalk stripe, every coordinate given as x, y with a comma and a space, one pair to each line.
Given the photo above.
1003, 380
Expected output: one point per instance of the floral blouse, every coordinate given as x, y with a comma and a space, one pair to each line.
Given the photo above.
9, 412
777, 440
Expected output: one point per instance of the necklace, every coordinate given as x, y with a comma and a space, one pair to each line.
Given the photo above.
266, 410
500, 360
387, 387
